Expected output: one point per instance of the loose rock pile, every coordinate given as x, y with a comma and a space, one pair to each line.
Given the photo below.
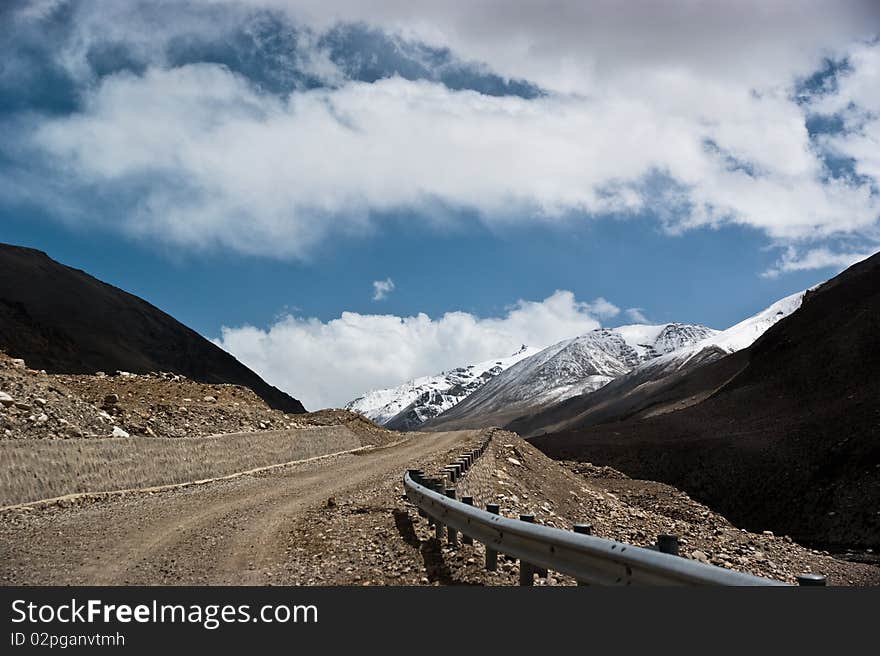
37, 405
521, 479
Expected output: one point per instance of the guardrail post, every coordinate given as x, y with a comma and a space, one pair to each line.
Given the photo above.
491, 554
526, 571
438, 525
418, 476
812, 579
667, 543
421, 481
451, 533
430, 484
466, 539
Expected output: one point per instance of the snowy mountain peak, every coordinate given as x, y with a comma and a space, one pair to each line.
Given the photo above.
426, 397
737, 337
570, 367
585, 363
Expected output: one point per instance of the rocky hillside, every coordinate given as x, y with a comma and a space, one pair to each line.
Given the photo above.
37, 405
791, 442
65, 321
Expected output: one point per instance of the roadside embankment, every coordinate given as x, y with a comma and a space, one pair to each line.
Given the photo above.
44, 469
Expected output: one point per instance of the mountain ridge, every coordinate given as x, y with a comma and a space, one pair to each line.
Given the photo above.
659, 384
409, 404
568, 368
66, 321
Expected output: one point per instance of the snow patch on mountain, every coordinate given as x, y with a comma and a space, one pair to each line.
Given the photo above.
590, 361
735, 338
428, 396
571, 367
743, 334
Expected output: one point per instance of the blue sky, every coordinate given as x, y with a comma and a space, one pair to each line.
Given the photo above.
252, 168
705, 276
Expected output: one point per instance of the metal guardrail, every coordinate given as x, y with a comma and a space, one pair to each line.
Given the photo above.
589, 559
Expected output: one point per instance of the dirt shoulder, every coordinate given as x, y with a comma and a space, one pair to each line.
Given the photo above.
240, 531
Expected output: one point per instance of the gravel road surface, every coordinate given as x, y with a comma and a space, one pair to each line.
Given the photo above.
237, 532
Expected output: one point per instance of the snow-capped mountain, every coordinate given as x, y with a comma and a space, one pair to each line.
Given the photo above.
496, 392
735, 338
406, 406
572, 367
529, 396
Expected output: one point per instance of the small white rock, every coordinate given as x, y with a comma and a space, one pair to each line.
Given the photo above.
118, 432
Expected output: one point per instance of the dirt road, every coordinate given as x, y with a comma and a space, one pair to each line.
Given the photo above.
237, 532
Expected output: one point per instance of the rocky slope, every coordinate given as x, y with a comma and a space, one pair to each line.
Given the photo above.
65, 321
566, 369
409, 405
791, 442
377, 538
37, 405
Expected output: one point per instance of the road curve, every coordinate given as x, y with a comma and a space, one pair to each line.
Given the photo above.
232, 532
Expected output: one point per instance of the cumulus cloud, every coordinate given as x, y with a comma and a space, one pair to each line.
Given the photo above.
857, 103
686, 112
326, 364
636, 315
604, 309
208, 160
816, 258
381, 288
573, 46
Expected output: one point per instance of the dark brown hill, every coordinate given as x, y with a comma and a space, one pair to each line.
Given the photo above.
65, 321
792, 442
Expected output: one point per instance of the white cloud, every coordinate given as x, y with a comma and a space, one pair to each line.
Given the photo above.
216, 163
816, 258
604, 309
637, 315
198, 158
37, 9
326, 364
577, 46
857, 101
381, 288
